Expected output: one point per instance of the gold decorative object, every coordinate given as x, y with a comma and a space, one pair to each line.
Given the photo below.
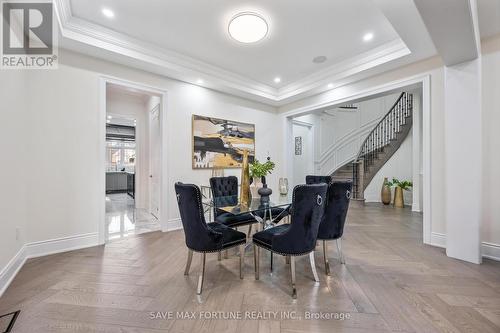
385, 193
245, 180
398, 197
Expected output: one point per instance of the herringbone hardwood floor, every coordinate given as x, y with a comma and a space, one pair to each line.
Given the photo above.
391, 283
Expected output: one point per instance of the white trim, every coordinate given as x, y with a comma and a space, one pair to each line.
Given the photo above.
43, 248
121, 48
438, 239
10, 271
490, 251
63, 244
164, 177
172, 224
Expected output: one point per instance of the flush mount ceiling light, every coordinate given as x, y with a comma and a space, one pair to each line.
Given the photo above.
199, 81
368, 37
277, 80
248, 27
330, 85
108, 13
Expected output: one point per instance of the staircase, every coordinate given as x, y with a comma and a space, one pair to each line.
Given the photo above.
378, 147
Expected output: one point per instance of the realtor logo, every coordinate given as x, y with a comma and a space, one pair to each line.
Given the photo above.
28, 35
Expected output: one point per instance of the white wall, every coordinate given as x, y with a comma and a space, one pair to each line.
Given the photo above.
432, 67
120, 103
65, 196
491, 141
15, 165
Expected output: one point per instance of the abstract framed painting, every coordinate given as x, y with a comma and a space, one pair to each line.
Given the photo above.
219, 143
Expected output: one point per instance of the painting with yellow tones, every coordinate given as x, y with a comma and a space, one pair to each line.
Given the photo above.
219, 143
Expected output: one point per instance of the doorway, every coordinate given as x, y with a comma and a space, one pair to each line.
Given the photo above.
303, 156
133, 161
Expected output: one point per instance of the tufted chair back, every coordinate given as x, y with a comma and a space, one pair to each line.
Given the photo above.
338, 197
199, 236
224, 192
311, 179
308, 206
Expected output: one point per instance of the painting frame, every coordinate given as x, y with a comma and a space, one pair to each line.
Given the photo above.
225, 139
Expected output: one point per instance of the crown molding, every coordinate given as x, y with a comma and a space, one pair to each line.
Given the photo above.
139, 54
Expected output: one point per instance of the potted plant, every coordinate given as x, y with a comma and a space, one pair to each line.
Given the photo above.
258, 173
399, 187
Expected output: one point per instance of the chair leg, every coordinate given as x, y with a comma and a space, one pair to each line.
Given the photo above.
339, 249
272, 262
313, 266
242, 260
249, 232
201, 274
292, 270
188, 263
256, 259
287, 260
219, 256
226, 254
325, 256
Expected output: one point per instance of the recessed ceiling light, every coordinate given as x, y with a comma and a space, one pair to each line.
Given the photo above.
330, 85
199, 81
277, 80
368, 37
248, 27
108, 13
319, 59
108, 121
110, 117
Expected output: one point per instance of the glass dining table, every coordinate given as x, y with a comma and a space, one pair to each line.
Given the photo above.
266, 212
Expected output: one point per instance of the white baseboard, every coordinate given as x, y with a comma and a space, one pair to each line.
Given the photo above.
438, 239
64, 244
10, 271
43, 248
490, 251
172, 224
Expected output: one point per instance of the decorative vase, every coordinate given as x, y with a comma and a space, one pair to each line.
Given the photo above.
265, 192
245, 180
254, 187
385, 193
398, 198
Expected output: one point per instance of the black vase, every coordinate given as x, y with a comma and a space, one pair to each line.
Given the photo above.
264, 193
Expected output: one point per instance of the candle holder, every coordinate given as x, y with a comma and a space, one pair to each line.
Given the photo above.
283, 186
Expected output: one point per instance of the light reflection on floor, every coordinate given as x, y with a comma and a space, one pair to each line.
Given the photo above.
123, 219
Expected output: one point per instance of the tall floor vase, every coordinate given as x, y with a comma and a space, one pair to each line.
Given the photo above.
385, 193
398, 198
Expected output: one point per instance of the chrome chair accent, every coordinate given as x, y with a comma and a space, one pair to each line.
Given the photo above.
202, 237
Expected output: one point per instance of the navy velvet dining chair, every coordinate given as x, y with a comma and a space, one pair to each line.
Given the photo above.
299, 237
200, 236
334, 218
313, 179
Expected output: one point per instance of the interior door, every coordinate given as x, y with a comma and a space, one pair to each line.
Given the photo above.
303, 153
154, 155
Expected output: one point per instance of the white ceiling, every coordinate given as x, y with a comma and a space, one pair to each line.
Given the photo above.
188, 40
298, 31
489, 17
